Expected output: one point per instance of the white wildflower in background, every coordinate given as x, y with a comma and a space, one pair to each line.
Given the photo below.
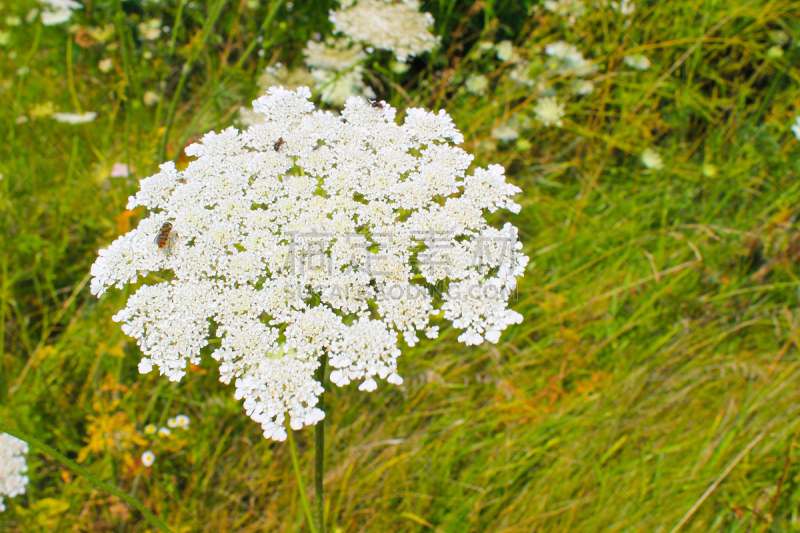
549, 111
334, 54
150, 30
582, 87
652, 159
796, 127
775, 52
182, 421
506, 51
637, 61
309, 235
568, 59
31, 16
519, 74
151, 98
779, 37
505, 133
150, 429
148, 458
572, 9
709, 170
5, 38
337, 87
75, 118
57, 11
105, 65
13, 20
476, 83
120, 170
626, 7
397, 27
13, 466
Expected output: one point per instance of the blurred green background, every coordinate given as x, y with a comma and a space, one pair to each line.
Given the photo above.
655, 382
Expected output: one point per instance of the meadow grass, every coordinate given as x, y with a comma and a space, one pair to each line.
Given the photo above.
655, 382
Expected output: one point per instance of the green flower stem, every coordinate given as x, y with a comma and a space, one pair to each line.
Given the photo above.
97, 482
299, 478
319, 468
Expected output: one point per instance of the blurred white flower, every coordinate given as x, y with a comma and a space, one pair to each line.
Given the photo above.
106, 64
709, 170
569, 60
398, 27
182, 421
336, 55
637, 61
75, 118
5, 38
572, 9
336, 88
582, 87
312, 234
626, 7
150, 429
652, 159
13, 465
164, 432
57, 11
13, 20
120, 170
506, 51
150, 98
476, 83
148, 458
775, 52
549, 111
150, 30
31, 16
796, 128
505, 132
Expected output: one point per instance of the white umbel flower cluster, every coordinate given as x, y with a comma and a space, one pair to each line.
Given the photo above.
12, 467
388, 25
58, 11
311, 234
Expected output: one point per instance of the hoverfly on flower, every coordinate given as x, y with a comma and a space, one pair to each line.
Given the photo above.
163, 235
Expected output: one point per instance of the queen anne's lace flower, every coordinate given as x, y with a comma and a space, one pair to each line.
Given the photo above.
310, 235
398, 27
12, 467
549, 111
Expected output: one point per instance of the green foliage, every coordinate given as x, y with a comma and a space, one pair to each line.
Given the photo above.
661, 306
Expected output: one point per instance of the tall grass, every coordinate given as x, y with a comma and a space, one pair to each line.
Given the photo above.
655, 382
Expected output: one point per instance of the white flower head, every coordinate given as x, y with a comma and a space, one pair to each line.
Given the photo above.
395, 26
58, 11
13, 466
637, 61
796, 128
476, 84
652, 159
568, 59
506, 51
549, 111
75, 118
571, 9
148, 458
311, 235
